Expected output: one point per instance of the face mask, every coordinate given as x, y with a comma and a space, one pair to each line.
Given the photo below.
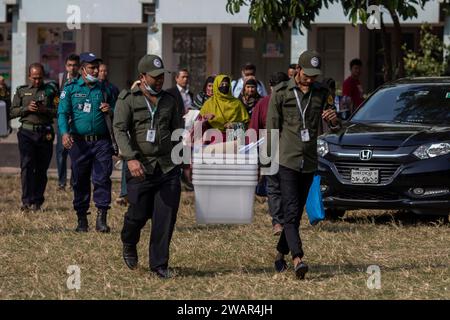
224, 89
91, 78
151, 90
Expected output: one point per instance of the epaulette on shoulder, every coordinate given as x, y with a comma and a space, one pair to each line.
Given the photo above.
281, 86
124, 93
53, 85
321, 87
70, 82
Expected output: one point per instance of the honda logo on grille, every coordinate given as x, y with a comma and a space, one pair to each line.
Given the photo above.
365, 155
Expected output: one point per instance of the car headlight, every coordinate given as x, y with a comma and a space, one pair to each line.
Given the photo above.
322, 148
432, 150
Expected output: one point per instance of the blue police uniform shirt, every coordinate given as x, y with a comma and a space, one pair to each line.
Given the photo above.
81, 104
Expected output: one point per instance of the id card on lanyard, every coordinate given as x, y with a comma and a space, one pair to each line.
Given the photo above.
304, 133
151, 133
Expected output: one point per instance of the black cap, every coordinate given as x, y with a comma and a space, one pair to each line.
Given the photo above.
88, 57
151, 64
310, 62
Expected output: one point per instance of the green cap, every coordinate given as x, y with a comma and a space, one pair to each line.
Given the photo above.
310, 62
152, 65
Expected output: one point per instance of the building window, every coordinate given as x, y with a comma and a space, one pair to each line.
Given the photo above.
189, 50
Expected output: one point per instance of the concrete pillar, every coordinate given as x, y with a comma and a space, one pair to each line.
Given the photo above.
299, 43
213, 48
352, 47
154, 38
18, 56
219, 51
446, 37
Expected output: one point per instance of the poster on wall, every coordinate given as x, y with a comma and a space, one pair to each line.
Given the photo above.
273, 50
49, 35
55, 46
51, 60
5, 63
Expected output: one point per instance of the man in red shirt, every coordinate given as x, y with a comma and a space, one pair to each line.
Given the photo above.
352, 86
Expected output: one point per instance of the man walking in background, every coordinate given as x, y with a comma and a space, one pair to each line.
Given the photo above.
352, 90
248, 70
72, 65
185, 101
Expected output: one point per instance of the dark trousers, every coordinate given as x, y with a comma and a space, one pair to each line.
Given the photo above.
91, 160
154, 197
35, 156
274, 199
61, 161
294, 191
123, 180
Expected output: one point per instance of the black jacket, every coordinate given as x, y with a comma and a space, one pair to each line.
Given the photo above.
179, 99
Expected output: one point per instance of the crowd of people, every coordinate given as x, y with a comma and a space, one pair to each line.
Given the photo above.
93, 118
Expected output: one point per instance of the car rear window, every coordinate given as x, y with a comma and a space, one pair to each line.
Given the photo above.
427, 104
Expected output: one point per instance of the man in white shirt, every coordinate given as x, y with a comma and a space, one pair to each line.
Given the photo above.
247, 71
184, 99
181, 91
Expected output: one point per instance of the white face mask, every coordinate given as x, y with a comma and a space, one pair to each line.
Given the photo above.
90, 78
151, 90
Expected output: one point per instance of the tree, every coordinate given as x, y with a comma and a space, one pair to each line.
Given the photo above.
279, 15
429, 61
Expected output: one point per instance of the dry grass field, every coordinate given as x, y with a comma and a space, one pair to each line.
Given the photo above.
219, 261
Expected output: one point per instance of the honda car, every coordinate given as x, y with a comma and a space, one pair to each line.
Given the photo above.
393, 152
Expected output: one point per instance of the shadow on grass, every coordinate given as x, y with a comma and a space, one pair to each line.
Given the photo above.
403, 218
214, 272
209, 227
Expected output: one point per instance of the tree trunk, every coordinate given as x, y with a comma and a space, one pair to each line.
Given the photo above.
400, 63
386, 52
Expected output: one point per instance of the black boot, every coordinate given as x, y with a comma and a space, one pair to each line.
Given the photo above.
101, 225
130, 256
83, 225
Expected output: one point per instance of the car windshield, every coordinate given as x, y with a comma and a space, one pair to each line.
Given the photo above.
421, 103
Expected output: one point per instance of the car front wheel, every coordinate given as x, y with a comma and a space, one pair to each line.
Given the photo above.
334, 214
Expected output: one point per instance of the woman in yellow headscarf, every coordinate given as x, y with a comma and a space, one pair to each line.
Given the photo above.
223, 110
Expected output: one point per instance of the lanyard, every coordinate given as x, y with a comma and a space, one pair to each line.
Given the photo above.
152, 112
302, 112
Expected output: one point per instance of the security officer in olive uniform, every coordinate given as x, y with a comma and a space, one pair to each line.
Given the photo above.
87, 102
144, 120
297, 108
35, 105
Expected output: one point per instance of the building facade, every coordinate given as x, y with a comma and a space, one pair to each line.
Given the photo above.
195, 34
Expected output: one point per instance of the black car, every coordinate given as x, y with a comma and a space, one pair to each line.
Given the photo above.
393, 153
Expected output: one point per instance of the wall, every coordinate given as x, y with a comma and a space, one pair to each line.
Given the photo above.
98, 11
335, 14
198, 12
213, 11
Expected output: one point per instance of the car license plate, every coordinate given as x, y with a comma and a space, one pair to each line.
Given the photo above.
364, 176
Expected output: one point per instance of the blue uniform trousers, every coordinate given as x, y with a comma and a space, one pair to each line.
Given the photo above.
91, 160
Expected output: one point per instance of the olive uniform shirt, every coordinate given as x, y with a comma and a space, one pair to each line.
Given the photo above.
284, 115
132, 120
47, 94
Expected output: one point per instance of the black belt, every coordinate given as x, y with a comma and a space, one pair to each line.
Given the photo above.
91, 138
37, 127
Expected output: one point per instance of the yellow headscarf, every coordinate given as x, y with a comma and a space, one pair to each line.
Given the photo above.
225, 107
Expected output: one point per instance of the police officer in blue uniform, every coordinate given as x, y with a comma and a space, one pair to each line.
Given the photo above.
35, 105
87, 102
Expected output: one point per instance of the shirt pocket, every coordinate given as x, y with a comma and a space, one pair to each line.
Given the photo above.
164, 118
141, 116
291, 114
